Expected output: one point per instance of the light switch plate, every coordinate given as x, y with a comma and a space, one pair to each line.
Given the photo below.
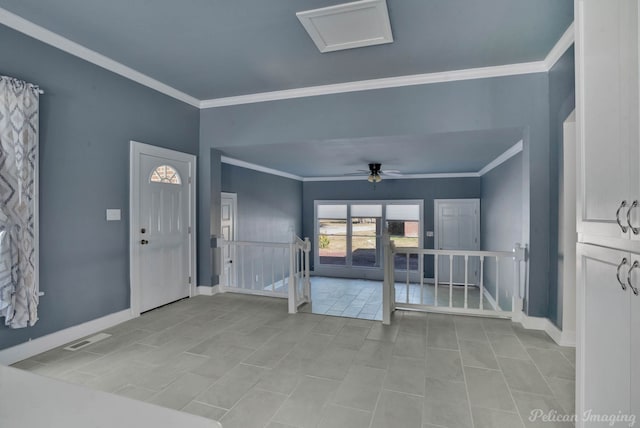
429, 234
113, 214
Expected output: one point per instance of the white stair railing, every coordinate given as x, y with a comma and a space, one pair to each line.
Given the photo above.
414, 294
274, 269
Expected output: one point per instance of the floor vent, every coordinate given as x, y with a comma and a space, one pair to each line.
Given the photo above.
86, 342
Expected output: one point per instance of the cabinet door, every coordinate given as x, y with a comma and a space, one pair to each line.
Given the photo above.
602, 114
603, 348
635, 354
632, 69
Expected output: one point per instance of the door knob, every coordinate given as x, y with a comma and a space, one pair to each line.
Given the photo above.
144, 242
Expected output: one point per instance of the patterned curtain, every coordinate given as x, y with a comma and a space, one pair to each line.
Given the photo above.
18, 157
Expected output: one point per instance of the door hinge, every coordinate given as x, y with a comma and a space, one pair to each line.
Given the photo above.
189, 280
189, 229
189, 180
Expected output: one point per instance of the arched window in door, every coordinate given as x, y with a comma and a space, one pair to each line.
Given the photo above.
165, 174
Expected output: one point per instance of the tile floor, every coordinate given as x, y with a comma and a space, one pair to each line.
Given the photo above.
242, 360
361, 298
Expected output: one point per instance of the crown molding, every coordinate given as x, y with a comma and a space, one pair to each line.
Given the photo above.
259, 168
383, 83
42, 34
402, 177
37, 32
508, 154
561, 46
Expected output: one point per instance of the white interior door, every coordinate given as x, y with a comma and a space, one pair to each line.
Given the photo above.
162, 226
228, 227
457, 227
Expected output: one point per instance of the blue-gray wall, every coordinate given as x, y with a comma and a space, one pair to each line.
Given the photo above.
87, 117
506, 102
426, 189
562, 101
269, 206
501, 220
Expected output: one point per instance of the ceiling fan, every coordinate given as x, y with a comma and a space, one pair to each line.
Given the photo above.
375, 173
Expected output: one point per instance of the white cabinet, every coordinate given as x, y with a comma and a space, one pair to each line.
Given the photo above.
605, 336
608, 211
607, 117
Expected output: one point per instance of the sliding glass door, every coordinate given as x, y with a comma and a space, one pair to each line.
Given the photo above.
349, 235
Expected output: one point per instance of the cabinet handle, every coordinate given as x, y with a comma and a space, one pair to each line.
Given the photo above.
622, 263
634, 289
622, 227
635, 230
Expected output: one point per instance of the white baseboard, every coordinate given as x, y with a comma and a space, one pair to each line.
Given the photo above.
59, 338
205, 290
562, 338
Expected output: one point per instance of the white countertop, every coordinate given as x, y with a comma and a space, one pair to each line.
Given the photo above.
32, 401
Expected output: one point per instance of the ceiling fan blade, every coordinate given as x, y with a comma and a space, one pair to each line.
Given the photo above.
362, 173
392, 173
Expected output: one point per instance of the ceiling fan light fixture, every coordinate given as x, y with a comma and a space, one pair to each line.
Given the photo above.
370, 179
377, 178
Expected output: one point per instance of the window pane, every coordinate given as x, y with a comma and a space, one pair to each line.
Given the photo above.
366, 210
332, 211
365, 241
332, 249
403, 212
165, 174
405, 234
328, 226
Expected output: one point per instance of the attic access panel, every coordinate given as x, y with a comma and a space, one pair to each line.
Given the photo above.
347, 26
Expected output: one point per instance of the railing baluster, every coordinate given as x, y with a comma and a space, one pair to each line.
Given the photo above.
253, 275
435, 279
273, 269
407, 297
262, 285
421, 269
497, 283
284, 260
466, 280
451, 280
481, 282
244, 271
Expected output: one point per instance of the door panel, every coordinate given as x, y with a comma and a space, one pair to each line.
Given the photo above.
228, 229
164, 233
458, 228
603, 369
602, 110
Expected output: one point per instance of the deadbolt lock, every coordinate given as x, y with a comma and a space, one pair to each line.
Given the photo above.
143, 230
144, 242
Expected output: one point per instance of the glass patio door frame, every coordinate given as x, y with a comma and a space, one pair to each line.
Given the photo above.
348, 269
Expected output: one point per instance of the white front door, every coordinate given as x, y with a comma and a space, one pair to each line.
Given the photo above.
457, 227
228, 229
161, 227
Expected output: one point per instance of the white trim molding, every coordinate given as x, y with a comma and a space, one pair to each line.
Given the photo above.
562, 338
508, 154
394, 177
383, 83
31, 29
62, 337
561, 46
206, 290
259, 168
20, 24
